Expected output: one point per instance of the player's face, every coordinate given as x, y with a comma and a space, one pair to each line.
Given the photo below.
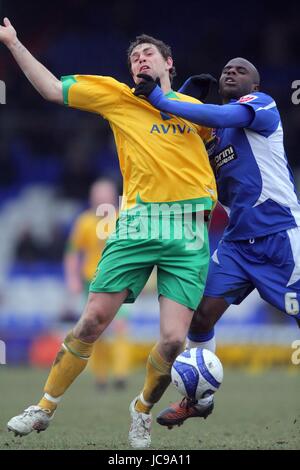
146, 58
103, 193
236, 80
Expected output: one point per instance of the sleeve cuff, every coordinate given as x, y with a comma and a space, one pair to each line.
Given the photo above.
67, 82
155, 96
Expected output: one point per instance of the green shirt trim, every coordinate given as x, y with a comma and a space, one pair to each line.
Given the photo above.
67, 82
206, 201
183, 206
172, 94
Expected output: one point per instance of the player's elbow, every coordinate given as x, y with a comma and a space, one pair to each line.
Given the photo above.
54, 92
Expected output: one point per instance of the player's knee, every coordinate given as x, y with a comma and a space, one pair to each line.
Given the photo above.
172, 346
87, 329
92, 323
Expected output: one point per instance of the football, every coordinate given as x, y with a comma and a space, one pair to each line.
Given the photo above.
197, 373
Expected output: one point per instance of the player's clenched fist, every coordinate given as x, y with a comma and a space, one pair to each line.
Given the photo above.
7, 32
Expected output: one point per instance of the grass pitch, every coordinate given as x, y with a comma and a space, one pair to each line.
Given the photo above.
253, 411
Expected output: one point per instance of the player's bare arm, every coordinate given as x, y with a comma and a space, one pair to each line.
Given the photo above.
72, 269
42, 79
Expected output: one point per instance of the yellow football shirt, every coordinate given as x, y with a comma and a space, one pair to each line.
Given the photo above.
85, 239
162, 157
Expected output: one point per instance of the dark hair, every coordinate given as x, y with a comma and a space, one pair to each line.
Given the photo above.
163, 48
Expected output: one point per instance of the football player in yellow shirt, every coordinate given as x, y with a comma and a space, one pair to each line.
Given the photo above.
83, 251
166, 176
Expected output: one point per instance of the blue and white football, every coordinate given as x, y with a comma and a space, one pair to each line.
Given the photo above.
197, 373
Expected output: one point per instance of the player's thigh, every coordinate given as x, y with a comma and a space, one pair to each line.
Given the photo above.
208, 313
175, 320
125, 264
99, 311
227, 275
278, 280
104, 304
182, 271
272, 285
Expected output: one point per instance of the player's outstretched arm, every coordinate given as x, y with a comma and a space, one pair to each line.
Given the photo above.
72, 268
210, 115
42, 79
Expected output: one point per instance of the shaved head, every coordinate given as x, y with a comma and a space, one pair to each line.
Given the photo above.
247, 64
239, 77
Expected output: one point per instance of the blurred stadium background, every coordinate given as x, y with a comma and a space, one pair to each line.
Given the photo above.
49, 156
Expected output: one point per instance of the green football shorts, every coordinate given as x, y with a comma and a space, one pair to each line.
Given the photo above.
180, 251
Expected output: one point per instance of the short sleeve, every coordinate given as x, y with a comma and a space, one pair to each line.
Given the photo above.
97, 94
266, 117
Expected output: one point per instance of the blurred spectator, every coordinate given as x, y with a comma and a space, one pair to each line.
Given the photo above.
31, 249
27, 248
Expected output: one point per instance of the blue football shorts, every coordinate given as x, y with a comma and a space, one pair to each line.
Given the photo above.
271, 264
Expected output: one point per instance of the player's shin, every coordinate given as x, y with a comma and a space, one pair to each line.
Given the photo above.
204, 341
158, 378
70, 361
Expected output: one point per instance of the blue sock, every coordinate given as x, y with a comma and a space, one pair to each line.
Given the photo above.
202, 340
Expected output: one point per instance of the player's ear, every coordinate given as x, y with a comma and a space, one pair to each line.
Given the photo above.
256, 87
169, 63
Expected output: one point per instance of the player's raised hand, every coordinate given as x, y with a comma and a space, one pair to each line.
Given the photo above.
146, 87
39, 76
7, 33
198, 86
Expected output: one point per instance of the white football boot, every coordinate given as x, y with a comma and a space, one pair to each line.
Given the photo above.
34, 418
139, 434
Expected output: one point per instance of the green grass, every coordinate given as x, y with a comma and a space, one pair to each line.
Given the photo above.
252, 412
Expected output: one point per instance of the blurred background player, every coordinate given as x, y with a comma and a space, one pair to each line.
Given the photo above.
260, 247
82, 256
